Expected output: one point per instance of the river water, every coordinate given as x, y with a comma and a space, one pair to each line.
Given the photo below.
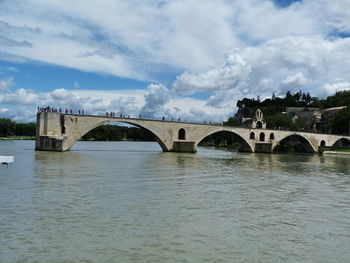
130, 202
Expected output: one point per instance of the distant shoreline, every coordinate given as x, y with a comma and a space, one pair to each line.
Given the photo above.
32, 138
337, 152
13, 138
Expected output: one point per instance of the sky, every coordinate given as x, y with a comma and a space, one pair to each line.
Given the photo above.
185, 59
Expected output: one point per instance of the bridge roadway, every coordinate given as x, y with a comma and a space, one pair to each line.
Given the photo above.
59, 132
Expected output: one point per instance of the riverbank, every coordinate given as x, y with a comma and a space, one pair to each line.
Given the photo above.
17, 138
343, 152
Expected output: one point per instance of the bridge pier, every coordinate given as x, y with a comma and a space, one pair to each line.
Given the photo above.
263, 147
184, 146
49, 132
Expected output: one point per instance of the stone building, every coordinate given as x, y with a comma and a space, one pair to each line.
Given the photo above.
326, 118
314, 119
310, 117
257, 122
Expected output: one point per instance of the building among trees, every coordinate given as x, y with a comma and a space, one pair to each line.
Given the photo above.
257, 121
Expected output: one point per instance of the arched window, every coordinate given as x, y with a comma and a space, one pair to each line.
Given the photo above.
323, 143
272, 136
259, 125
252, 135
262, 137
182, 134
258, 114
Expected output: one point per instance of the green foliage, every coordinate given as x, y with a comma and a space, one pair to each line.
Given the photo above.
340, 98
221, 139
11, 128
7, 127
25, 129
138, 134
340, 122
279, 121
104, 133
117, 133
276, 104
232, 122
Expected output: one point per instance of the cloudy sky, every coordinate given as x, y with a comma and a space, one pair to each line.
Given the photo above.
181, 58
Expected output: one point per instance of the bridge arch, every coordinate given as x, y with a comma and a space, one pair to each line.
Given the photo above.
245, 146
84, 130
309, 147
341, 142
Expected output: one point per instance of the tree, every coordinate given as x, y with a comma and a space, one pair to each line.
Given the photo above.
340, 122
7, 127
279, 121
25, 129
117, 133
232, 122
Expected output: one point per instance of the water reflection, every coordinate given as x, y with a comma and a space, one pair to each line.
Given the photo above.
53, 164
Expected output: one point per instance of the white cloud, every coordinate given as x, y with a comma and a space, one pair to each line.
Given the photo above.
227, 49
118, 37
76, 85
123, 38
223, 77
6, 83
19, 97
330, 89
156, 101
156, 97
189, 109
289, 63
294, 82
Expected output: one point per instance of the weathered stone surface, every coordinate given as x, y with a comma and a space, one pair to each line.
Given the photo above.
265, 147
184, 146
59, 132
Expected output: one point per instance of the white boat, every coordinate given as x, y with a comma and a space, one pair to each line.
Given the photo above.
5, 160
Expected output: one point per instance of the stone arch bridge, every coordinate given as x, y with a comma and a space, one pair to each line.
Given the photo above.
59, 132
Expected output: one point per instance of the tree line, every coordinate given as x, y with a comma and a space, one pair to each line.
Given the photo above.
118, 133
9, 127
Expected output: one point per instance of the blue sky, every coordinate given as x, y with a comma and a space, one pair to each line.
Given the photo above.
284, 3
181, 58
47, 77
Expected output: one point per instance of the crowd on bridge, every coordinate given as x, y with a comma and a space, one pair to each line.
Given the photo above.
110, 114
59, 110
